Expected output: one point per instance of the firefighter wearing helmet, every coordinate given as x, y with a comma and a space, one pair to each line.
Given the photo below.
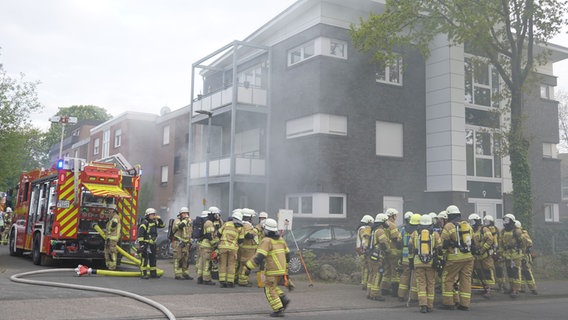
410, 224
206, 245
181, 243
456, 243
391, 278
527, 261
489, 222
425, 244
228, 247
511, 247
362, 245
112, 234
147, 234
379, 245
483, 266
8, 216
274, 254
248, 242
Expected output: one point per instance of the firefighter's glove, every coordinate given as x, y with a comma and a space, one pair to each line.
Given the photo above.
181, 225
249, 236
107, 241
247, 271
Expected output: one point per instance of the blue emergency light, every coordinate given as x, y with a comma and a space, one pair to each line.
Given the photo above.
60, 163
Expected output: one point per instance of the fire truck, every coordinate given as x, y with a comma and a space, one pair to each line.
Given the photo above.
57, 209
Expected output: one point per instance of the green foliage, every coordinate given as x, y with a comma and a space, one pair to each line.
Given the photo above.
504, 32
18, 140
344, 264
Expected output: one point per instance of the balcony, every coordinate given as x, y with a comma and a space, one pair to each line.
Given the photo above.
247, 94
245, 164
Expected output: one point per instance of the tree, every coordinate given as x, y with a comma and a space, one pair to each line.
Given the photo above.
505, 32
18, 99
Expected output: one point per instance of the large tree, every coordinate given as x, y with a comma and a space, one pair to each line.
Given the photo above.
18, 148
509, 33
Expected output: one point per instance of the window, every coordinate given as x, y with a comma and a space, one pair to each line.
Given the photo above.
166, 135
106, 143
317, 123
389, 73
551, 212
336, 205
301, 53
481, 83
300, 204
96, 146
389, 139
177, 160
254, 77
117, 138
564, 192
318, 205
481, 158
338, 48
546, 91
164, 177
549, 150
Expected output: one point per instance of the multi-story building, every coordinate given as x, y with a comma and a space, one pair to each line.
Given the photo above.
76, 141
301, 120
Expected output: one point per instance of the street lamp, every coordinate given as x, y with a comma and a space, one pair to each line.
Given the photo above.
209, 115
63, 120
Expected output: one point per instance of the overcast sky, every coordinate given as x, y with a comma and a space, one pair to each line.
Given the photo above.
126, 55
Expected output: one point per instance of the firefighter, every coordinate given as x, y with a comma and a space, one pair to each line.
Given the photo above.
456, 242
275, 254
483, 266
206, 246
112, 233
147, 234
1, 227
527, 261
489, 222
511, 247
228, 246
424, 246
362, 245
379, 245
260, 233
391, 279
406, 261
248, 245
8, 216
217, 223
181, 243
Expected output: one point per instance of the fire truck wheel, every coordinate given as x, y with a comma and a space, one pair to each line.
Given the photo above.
36, 250
13, 250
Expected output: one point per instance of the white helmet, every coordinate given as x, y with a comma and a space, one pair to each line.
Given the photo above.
263, 215
488, 218
452, 209
367, 219
391, 212
381, 217
183, 210
518, 224
214, 210
110, 206
433, 215
204, 213
510, 216
8, 209
150, 211
237, 215
425, 220
443, 215
474, 216
271, 225
408, 215
248, 212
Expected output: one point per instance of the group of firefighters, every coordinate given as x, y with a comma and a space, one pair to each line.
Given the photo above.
445, 249
229, 249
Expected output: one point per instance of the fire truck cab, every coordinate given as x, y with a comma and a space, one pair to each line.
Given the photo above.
57, 209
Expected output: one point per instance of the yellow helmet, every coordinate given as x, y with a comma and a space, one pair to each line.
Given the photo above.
415, 219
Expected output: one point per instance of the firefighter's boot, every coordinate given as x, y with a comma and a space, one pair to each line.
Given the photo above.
285, 301
199, 280
394, 289
153, 274
145, 275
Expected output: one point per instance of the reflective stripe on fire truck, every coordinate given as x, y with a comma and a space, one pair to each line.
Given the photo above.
104, 190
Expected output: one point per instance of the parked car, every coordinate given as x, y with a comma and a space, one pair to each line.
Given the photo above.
164, 249
321, 239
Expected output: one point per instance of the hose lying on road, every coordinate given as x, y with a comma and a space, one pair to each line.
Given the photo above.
17, 278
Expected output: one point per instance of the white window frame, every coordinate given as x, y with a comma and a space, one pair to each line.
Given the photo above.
549, 150
551, 212
302, 52
319, 123
546, 91
492, 156
389, 137
493, 88
106, 143
384, 72
117, 138
96, 145
320, 205
164, 174
166, 135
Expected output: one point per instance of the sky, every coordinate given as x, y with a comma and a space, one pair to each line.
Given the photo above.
128, 55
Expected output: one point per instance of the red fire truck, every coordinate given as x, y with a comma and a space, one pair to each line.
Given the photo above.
57, 209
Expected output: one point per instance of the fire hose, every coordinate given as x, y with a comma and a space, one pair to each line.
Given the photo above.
17, 278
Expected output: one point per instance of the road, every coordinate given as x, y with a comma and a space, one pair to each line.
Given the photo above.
187, 300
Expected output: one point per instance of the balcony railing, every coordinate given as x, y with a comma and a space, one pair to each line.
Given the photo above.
245, 164
249, 94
